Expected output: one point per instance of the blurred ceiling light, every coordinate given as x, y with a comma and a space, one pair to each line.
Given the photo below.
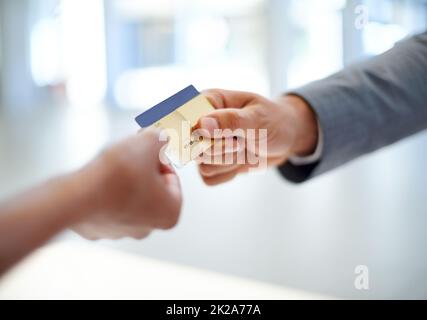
167, 8
224, 7
312, 46
206, 39
84, 50
46, 53
145, 8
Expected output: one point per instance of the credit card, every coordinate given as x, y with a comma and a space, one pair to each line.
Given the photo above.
177, 115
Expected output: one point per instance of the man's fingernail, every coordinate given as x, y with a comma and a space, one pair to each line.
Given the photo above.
209, 124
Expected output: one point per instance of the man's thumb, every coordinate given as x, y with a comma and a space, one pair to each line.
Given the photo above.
232, 119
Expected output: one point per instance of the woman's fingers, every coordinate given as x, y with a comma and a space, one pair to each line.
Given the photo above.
218, 179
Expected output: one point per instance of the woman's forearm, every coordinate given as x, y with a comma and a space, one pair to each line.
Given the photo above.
125, 192
30, 219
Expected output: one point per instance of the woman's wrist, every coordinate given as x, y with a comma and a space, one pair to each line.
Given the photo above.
87, 186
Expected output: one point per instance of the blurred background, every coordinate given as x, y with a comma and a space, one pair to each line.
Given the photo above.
75, 73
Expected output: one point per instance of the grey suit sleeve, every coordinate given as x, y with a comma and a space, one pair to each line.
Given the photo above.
367, 106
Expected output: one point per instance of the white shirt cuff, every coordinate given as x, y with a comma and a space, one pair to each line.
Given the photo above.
314, 157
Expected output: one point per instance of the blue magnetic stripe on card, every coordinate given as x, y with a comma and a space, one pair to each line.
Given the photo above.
162, 109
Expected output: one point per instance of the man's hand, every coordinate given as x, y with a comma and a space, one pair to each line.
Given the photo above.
290, 123
130, 191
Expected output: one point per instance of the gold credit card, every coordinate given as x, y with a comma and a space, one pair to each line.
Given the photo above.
177, 115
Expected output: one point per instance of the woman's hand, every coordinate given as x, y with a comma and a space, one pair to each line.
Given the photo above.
131, 191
